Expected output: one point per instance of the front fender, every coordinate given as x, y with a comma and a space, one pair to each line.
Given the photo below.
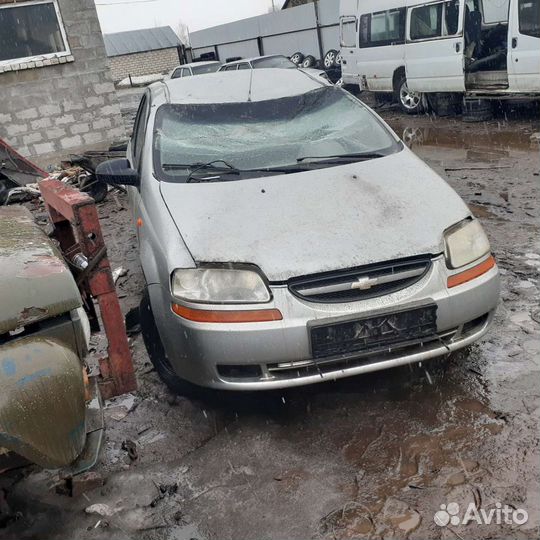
42, 401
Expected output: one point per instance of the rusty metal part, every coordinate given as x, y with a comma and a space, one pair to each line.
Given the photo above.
74, 216
36, 283
42, 408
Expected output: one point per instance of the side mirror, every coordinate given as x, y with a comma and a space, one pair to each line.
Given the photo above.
117, 172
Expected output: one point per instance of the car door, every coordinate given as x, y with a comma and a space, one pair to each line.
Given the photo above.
348, 38
524, 46
434, 51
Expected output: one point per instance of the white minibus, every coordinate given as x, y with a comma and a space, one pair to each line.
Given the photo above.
416, 50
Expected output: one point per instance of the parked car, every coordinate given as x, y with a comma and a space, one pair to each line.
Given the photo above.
44, 333
458, 47
195, 68
270, 61
287, 236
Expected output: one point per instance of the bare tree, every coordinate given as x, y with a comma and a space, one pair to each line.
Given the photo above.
182, 31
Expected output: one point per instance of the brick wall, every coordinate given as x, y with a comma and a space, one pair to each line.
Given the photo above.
68, 104
144, 63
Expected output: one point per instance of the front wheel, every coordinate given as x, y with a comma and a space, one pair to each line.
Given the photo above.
409, 101
156, 351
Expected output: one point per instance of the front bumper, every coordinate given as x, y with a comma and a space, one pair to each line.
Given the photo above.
200, 351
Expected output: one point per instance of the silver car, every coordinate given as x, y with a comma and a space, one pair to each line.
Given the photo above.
270, 61
288, 237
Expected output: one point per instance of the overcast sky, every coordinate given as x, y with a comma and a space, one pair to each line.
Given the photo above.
120, 15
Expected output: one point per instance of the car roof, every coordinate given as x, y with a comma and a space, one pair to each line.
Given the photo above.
234, 86
255, 58
208, 63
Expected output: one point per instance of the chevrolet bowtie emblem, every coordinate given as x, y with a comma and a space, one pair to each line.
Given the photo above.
364, 283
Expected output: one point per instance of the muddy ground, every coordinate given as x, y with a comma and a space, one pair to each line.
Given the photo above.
370, 457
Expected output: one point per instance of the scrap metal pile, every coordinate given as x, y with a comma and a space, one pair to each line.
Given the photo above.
19, 176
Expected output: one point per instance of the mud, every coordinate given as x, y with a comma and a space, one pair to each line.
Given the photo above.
369, 457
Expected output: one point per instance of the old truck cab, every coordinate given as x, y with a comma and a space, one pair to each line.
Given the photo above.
44, 333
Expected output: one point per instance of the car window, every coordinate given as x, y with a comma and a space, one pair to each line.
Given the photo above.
209, 68
186, 72
244, 66
529, 17
234, 67
139, 130
265, 134
274, 62
176, 74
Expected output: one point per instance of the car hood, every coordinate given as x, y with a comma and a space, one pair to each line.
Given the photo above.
327, 219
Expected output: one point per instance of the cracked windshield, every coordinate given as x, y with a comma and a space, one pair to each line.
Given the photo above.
269, 269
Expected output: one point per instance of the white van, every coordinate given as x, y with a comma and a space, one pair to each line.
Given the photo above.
480, 48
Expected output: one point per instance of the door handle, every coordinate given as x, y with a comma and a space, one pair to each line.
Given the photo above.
514, 43
458, 47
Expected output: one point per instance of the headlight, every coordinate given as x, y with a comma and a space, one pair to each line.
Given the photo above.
465, 243
220, 286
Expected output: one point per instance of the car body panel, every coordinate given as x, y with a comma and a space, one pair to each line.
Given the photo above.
42, 401
36, 283
317, 221
234, 86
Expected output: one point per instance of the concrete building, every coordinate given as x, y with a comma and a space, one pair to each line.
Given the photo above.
56, 92
142, 52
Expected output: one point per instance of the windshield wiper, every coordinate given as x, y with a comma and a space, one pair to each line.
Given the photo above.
202, 167
343, 157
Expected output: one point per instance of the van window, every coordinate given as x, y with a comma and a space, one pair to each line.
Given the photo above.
426, 22
382, 28
529, 17
435, 20
347, 30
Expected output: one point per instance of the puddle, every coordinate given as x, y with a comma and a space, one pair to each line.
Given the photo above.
480, 144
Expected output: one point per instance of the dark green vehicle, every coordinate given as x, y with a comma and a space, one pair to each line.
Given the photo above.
44, 391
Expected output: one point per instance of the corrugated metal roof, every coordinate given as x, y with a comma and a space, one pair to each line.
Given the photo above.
134, 41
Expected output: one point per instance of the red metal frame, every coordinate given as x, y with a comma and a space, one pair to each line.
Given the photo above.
75, 218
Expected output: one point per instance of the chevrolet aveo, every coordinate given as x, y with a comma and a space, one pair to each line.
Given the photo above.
287, 236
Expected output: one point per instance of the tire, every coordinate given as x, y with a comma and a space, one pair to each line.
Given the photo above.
329, 59
309, 61
338, 60
156, 351
409, 102
297, 58
477, 110
444, 104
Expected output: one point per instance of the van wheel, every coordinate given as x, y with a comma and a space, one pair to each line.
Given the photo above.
477, 110
156, 351
410, 102
297, 58
338, 60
